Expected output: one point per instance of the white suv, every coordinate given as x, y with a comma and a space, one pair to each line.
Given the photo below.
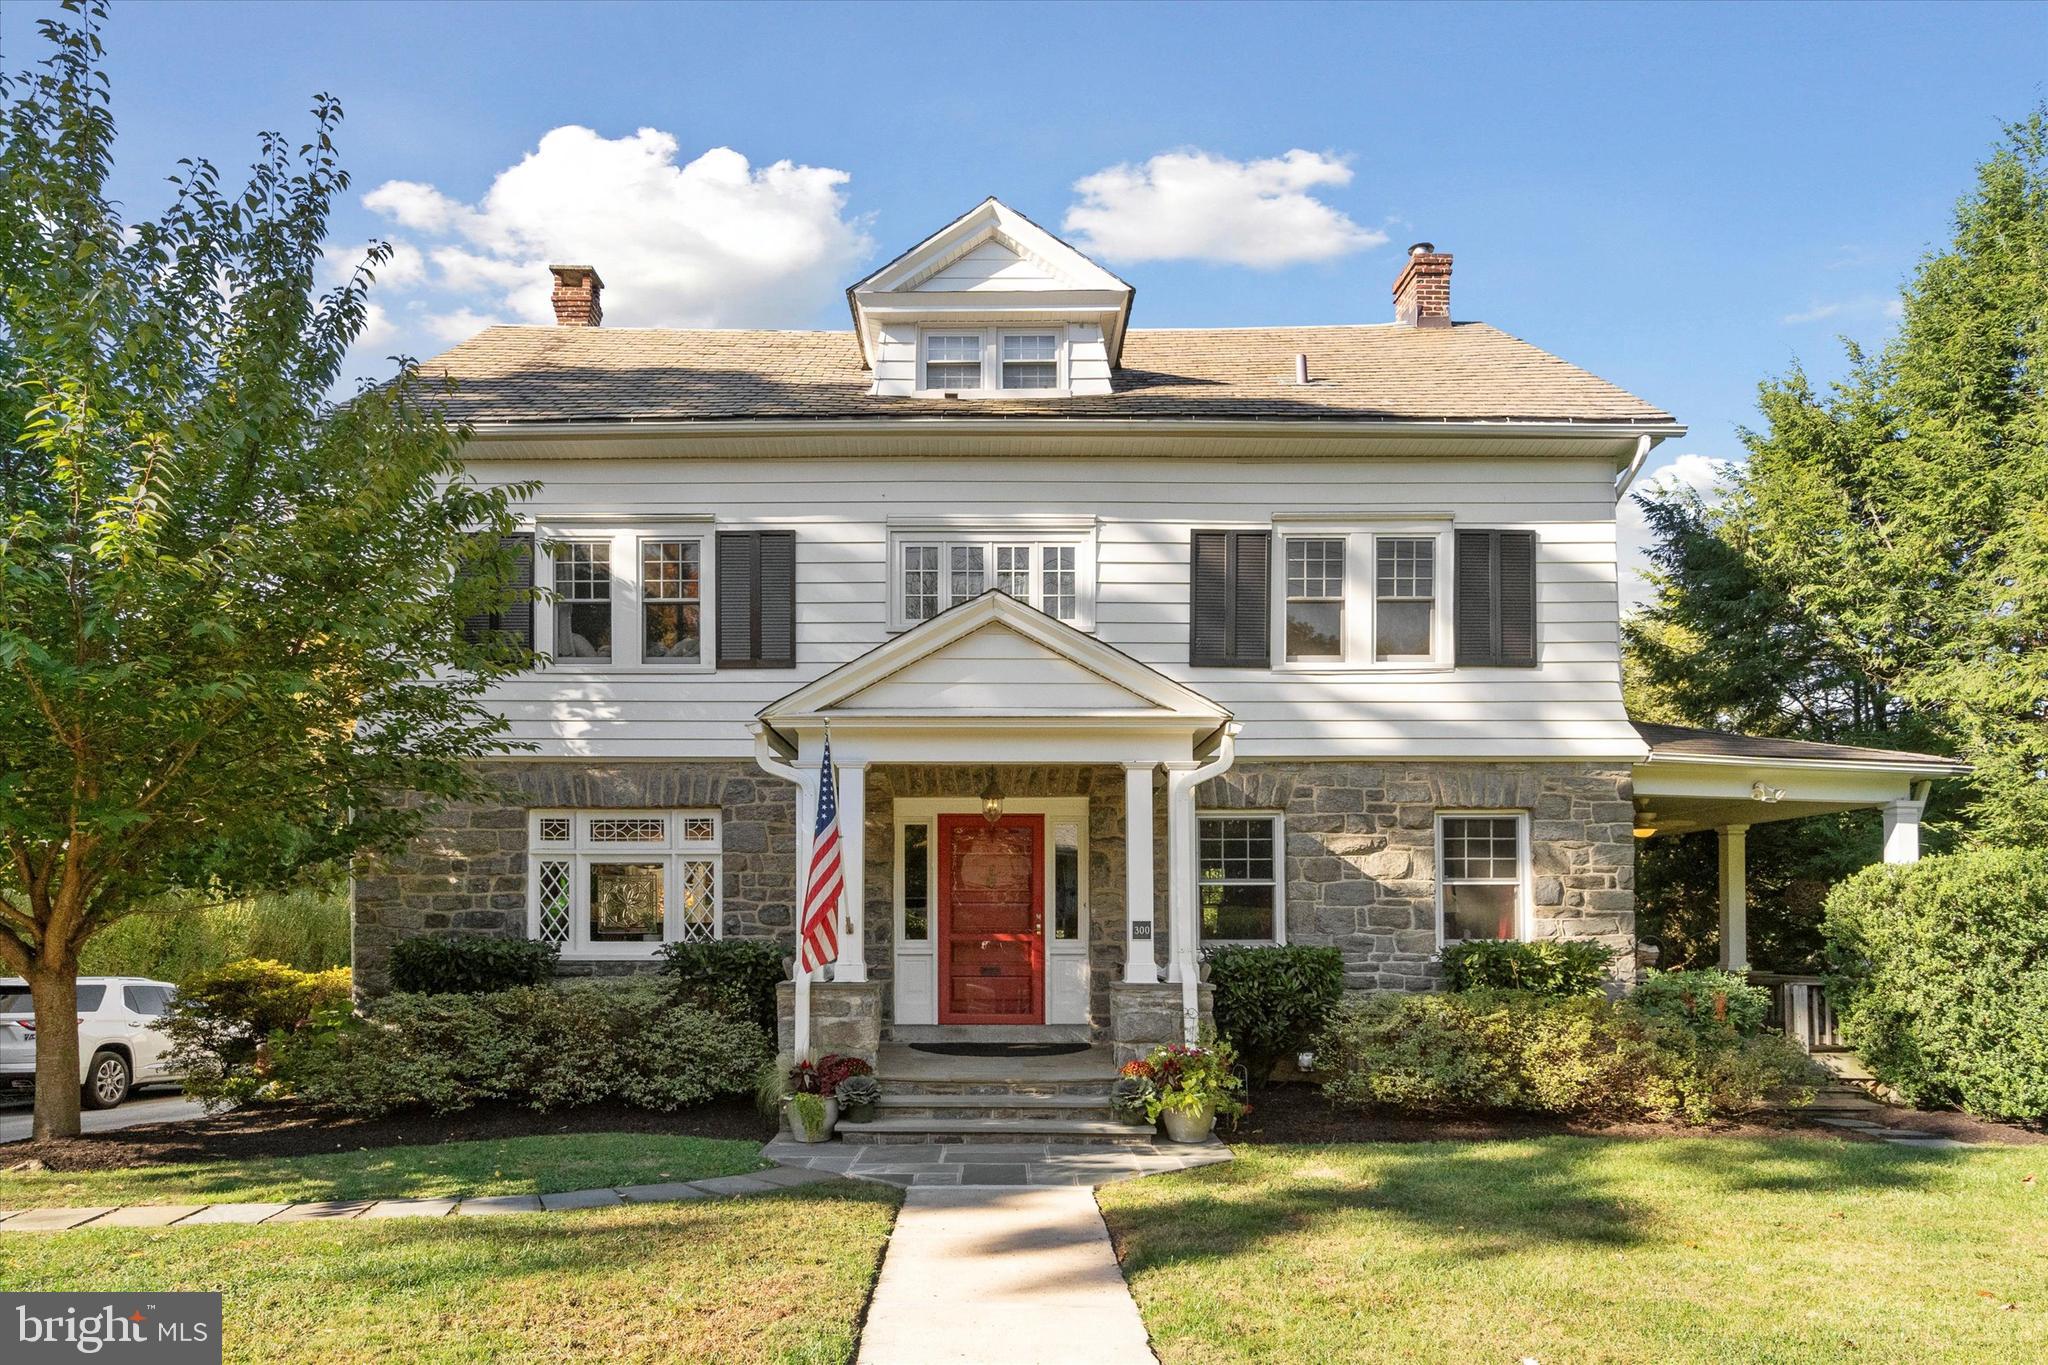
120, 1042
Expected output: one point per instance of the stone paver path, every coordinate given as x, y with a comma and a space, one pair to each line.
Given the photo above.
1012, 1276
917, 1165
197, 1215
1899, 1137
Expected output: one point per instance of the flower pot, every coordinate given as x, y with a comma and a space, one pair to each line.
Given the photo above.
823, 1133
1182, 1126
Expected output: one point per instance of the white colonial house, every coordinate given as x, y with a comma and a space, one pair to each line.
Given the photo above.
1128, 641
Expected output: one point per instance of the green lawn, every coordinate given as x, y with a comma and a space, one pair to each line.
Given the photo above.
1581, 1249
779, 1276
530, 1165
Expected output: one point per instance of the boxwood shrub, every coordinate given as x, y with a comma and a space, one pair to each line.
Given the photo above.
1705, 999
1579, 1056
731, 976
1271, 1002
223, 1024
445, 963
1938, 971
542, 1047
1548, 966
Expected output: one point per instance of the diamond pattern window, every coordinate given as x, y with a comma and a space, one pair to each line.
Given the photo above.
622, 883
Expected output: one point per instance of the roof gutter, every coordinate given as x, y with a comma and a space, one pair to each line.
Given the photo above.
1333, 427
1937, 768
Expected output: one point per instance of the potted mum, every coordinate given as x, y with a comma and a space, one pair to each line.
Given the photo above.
814, 1094
1188, 1086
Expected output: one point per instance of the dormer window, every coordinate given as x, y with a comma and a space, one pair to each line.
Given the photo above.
1031, 360
993, 361
952, 360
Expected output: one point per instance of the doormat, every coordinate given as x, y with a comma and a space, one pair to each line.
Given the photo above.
1000, 1049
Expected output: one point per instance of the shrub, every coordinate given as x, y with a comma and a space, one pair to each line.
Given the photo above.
1272, 1001
542, 1047
731, 976
1704, 999
1938, 971
1577, 1056
223, 1024
1548, 966
469, 964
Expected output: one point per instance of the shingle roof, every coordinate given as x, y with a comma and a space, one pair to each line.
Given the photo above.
1390, 372
1681, 741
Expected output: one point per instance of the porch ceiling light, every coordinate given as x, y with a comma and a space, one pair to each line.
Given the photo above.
1766, 793
992, 799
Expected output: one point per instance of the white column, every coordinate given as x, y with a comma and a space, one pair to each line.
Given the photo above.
1902, 830
1141, 963
852, 963
1734, 897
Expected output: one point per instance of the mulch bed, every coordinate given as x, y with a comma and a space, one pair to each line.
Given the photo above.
296, 1130
1299, 1114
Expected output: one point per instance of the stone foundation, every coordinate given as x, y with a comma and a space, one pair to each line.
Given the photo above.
846, 1017
1361, 852
1142, 1017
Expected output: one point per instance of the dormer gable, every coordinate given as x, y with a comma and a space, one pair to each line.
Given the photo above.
992, 305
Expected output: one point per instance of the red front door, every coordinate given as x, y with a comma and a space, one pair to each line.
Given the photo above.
991, 920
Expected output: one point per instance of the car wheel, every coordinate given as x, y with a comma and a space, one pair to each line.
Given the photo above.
106, 1083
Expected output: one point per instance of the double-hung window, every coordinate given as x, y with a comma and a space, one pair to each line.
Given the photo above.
940, 569
583, 600
672, 600
1361, 598
1482, 875
993, 361
622, 883
666, 594
1239, 877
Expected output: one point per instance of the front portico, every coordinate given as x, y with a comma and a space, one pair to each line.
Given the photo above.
997, 792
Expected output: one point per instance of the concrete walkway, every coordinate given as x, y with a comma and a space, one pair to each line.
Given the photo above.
202, 1215
1002, 1277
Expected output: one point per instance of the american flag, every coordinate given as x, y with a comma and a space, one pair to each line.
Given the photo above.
820, 920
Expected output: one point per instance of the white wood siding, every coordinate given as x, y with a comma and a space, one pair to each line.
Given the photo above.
1569, 707
992, 266
997, 669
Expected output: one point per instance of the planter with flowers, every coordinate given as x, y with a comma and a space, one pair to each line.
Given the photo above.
813, 1101
1186, 1086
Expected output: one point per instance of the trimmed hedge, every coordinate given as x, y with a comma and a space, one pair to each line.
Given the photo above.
1580, 1056
469, 963
1271, 1002
1938, 971
545, 1048
1709, 998
222, 1024
730, 976
1548, 966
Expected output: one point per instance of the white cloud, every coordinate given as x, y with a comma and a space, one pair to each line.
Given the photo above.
1862, 308
1704, 474
1819, 312
712, 242
1191, 205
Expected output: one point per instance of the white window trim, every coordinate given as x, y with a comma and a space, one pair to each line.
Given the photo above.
1279, 822
1524, 882
992, 359
989, 537
580, 851
629, 641
1361, 596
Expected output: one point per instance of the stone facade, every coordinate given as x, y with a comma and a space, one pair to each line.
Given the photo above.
1360, 856
1361, 852
466, 873
846, 1017
1143, 1017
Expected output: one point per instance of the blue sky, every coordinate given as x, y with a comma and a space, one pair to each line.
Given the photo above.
1681, 198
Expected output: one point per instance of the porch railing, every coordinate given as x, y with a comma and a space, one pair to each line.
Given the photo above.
1800, 1011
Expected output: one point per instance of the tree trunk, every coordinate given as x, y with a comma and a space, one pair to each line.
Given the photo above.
54, 988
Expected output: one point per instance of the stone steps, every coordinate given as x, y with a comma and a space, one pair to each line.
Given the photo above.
997, 1106
1001, 1130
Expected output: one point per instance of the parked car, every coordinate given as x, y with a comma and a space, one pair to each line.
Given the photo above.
121, 1044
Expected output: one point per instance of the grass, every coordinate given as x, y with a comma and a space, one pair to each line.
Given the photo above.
778, 1277
1582, 1249
528, 1165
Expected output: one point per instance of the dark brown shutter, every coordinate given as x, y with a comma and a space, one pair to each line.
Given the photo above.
757, 599
1496, 599
1229, 585
515, 618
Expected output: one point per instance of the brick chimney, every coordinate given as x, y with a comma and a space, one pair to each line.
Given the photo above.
1422, 296
577, 288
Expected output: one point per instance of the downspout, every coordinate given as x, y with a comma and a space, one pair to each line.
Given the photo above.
1644, 445
1180, 840
765, 758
